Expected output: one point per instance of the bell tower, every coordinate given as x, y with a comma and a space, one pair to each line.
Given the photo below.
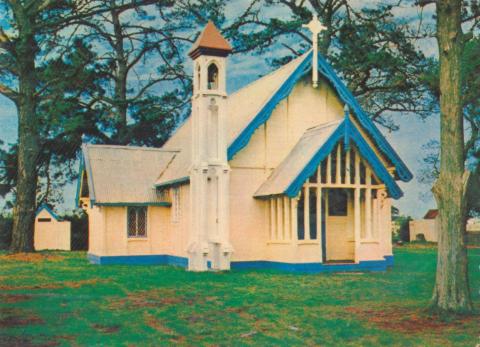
209, 171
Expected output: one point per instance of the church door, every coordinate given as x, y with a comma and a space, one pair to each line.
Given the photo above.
339, 235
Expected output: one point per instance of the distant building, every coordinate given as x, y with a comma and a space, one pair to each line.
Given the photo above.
429, 226
51, 232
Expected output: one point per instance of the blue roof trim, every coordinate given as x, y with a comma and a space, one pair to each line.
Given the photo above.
171, 183
345, 95
49, 210
309, 169
344, 130
369, 155
285, 89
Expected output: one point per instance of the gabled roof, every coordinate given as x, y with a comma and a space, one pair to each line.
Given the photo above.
210, 40
309, 144
313, 147
345, 95
124, 174
263, 96
44, 207
246, 103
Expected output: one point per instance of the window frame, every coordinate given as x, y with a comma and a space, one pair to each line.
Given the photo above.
137, 209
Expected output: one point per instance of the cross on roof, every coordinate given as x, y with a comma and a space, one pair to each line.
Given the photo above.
316, 28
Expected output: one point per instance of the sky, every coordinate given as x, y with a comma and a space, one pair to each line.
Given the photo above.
243, 69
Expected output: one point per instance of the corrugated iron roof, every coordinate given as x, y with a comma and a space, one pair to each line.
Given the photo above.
124, 174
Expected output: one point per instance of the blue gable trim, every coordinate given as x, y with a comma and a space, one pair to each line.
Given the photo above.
348, 98
285, 89
345, 95
309, 169
369, 155
49, 210
345, 130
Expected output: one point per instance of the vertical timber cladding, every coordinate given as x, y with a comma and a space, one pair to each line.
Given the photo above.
345, 192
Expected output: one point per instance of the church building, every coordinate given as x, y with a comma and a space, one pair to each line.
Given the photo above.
286, 173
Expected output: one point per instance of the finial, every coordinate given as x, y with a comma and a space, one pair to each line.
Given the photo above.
346, 110
315, 28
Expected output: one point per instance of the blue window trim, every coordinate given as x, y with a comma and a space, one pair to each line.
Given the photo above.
345, 95
345, 130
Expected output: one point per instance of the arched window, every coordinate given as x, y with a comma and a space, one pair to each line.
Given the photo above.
198, 77
212, 76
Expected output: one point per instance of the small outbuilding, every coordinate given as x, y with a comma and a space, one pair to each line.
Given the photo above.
429, 226
51, 232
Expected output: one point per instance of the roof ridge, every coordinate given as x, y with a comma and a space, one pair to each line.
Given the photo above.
134, 148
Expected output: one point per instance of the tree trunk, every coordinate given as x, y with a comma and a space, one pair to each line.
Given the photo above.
120, 89
451, 293
24, 216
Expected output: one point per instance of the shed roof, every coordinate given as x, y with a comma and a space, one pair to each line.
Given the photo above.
124, 174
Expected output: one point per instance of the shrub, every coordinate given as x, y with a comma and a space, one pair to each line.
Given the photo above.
6, 226
79, 230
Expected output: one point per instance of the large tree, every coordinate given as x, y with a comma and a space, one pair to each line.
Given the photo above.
451, 292
372, 49
28, 37
113, 96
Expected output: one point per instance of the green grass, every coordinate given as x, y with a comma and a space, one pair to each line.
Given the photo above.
67, 301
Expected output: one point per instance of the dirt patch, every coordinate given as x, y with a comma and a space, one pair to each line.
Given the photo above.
157, 324
407, 320
22, 341
106, 329
13, 298
150, 298
11, 317
58, 285
31, 257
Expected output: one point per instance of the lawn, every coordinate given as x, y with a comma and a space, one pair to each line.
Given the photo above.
59, 299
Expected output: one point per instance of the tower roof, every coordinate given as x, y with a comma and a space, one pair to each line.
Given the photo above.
210, 42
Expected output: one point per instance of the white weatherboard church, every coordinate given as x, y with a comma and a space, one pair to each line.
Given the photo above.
286, 173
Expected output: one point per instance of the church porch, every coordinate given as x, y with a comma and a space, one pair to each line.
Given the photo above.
340, 218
